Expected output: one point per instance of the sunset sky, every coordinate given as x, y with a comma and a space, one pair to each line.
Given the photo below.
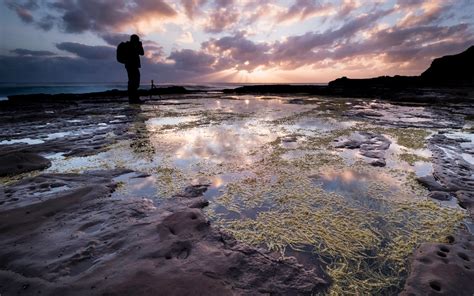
229, 40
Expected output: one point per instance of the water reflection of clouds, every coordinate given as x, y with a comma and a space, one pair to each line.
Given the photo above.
359, 186
135, 186
219, 143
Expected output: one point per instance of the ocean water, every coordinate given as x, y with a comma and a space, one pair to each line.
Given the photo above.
10, 89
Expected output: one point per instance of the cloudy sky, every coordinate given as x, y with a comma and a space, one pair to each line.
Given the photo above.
229, 40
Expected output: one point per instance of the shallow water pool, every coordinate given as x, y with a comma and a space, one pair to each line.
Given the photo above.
277, 181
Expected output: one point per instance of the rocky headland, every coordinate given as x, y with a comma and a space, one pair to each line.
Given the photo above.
449, 78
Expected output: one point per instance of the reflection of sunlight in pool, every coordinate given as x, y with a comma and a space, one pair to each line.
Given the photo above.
160, 121
351, 182
136, 186
368, 190
217, 144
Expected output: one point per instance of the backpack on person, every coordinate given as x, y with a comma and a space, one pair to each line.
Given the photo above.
122, 52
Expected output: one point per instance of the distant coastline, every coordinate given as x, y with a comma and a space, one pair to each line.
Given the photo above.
453, 72
12, 89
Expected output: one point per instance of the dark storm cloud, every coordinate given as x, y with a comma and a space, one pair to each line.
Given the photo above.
304, 46
238, 50
78, 69
97, 63
152, 49
23, 9
406, 46
87, 51
46, 22
418, 35
82, 15
187, 59
76, 16
114, 39
27, 52
57, 69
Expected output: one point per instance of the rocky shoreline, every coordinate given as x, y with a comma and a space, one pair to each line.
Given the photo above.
446, 268
76, 240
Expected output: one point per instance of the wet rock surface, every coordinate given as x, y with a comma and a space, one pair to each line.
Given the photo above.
73, 129
72, 124
20, 162
406, 115
443, 269
452, 174
370, 145
35, 190
79, 241
440, 195
447, 269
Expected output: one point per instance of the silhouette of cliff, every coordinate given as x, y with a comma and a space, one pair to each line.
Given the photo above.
453, 69
448, 77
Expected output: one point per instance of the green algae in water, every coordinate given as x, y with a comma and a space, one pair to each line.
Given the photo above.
366, 251
409, 137
363, 240
412, 158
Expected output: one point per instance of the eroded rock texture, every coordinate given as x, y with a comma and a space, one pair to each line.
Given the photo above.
446, 269
79, 241
443, 269
370, 145
452, 174
21, 162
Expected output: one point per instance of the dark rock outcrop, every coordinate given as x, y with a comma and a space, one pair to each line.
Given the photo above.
279, 89
395, 82
440, 195
442, 269
452, 174
454, 69
444, 81
77, 241
21, 162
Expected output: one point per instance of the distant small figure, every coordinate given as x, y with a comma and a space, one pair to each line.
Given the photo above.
153, 86
129, 53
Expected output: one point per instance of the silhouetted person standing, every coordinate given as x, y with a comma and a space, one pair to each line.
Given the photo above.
133, 65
